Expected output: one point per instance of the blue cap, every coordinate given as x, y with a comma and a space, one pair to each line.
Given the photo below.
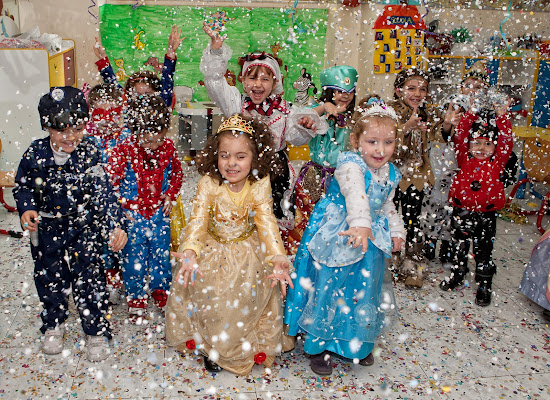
63, 107
340, 77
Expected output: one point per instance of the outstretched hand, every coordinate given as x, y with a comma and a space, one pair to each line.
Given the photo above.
280, 274
99, 50
188, 269
217, 40
358, 236
174, 41
307, 123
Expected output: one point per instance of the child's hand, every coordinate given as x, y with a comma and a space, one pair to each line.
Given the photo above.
307, 123
118, 239
167, 207
415, 122
280, 274
217, 40
331, 109
174, 41
358, 236
502, 109
398, 244
189, 267
99, 50
452, 116
30, 220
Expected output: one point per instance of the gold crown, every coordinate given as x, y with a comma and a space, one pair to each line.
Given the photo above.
236, 123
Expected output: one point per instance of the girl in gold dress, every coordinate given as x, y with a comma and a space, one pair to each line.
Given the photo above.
222, 301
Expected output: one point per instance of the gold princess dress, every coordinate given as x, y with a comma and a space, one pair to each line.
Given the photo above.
231, 313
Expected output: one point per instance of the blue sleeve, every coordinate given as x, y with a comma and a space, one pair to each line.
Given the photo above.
167, 80
23, 191
108, 75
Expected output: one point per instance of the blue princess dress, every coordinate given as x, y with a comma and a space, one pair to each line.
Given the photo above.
340, 297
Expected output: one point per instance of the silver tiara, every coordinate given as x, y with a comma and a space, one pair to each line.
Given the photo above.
378, 110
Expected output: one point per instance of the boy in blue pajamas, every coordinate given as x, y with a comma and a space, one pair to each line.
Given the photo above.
147, 173
66, 203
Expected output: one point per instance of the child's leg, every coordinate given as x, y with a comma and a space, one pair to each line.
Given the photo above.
89, 284
136, 252
160, 270
484, 236
460, 242
52, 278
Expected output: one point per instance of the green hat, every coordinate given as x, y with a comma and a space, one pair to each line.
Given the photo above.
340, 77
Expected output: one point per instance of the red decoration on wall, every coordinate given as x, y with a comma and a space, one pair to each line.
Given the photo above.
350, 3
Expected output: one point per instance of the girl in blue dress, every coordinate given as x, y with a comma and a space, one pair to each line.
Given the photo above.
339, 299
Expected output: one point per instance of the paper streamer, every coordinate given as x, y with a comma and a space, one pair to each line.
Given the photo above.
503, 22
92, 14
425, 4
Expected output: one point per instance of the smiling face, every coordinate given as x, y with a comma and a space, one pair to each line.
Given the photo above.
375, 141
481, 149
413, 92
258, 83
234, 159
68, 139
342, 99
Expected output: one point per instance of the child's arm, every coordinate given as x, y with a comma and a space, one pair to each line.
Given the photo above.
304, 124
176, 180
169, 66
103, 65
504, 141
461, 136
213, 66
351, 179
395, 221
452, 117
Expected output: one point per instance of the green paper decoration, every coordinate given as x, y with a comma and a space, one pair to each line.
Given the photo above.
134, 35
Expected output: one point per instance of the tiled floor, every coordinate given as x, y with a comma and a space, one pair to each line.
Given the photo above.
444, 346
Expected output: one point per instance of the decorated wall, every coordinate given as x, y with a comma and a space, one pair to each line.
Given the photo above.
135, 36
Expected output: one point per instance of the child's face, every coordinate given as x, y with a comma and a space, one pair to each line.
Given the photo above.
151, 140
68, 139
472, 86
107, 117
376, 143
342, 99
414, 92
481, 149
259, 84
141, 88
235, 160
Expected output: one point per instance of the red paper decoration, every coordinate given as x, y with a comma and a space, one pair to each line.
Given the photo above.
350, 3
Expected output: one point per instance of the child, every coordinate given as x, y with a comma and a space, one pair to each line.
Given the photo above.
65, 201
418, 126
263, 88
337, 103
147, 173
107, 103
483, 143
340, 302
221, 300
145, 82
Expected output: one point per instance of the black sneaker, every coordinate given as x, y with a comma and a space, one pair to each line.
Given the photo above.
321, 363
211, 366
483, 295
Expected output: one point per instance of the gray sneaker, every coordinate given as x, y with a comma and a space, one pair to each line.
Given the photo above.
52, 343
98, 349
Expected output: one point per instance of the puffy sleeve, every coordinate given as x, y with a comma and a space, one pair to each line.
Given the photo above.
505, 141
194, 234
350, 175
296, 134
265, 220
213, 66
